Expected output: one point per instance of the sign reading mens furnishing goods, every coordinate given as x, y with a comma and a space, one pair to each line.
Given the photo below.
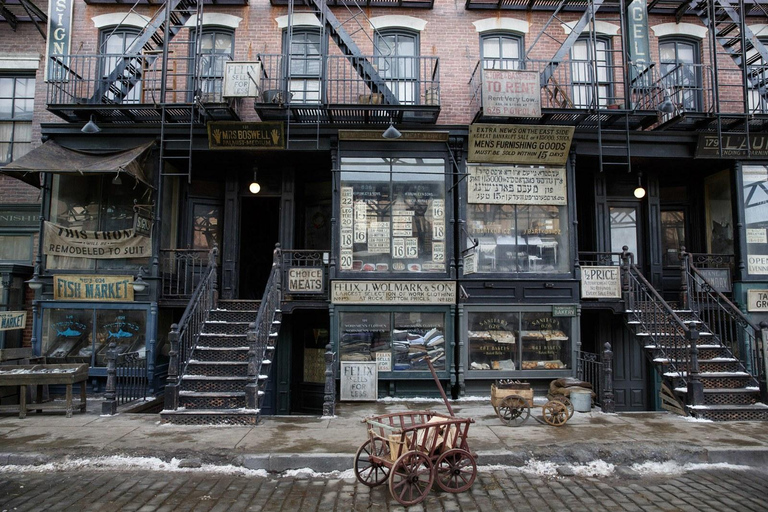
93, 287
511, 93
600, 282
393, 292
359, 381
519, 144
757, 300
10, 320
77, 243
237, 135
516, 185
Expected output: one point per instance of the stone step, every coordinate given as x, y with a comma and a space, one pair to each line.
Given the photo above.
213, 384
217, 368
753, 412
211, 417
203, 401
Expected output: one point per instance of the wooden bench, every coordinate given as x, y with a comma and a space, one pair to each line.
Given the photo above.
40, 375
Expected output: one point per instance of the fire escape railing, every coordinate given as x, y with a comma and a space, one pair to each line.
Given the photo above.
259, 332
728, 324
184, 335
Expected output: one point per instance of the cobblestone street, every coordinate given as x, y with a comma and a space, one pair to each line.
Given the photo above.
711, 489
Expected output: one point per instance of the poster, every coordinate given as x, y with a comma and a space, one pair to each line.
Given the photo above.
519, 144
516, 185
78, 243
600, 282
511, 93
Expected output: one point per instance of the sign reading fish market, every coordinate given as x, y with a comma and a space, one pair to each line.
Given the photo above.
10, 320
78, 243
93, 287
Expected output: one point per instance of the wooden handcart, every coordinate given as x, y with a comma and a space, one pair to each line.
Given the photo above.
414, 450
513, 401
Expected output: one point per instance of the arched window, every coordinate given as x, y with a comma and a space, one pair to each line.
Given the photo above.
305, 65
502, 51
591, 72
681, 72
397, 53
216, 48
115, 44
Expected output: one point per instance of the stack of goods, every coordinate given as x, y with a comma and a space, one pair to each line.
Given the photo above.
355, 346
412, 349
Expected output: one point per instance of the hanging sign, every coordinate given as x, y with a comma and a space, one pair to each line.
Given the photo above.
10, 320
519, 144
757, 300
359, 381
142, 224
237, 135
58, 40
305, 280
511, 93
93, 287
77, 243
241, 79
637, 42
600, 282
718, 278
516, 185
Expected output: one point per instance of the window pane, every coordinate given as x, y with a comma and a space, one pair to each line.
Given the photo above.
206, 230
493, 340
672, 235
417, 335
362, 335
545, 341
624, 230
16, 247
126, 328
755, 178
67, 335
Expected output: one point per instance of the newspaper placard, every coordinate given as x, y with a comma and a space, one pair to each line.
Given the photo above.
757, 264
77, 243
393, 292
756, 236
516, 185
519, 144
10, 320
359, 381
511, 93
384, 361
600, 282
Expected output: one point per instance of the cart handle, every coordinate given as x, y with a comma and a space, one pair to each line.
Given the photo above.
439, 386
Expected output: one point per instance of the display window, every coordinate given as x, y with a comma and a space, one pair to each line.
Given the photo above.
72, 335
518, 340
392, 215
755, 183
397, 341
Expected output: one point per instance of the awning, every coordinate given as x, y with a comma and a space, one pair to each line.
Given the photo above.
50, 157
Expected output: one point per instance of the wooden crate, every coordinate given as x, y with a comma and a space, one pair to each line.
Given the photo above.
498, 394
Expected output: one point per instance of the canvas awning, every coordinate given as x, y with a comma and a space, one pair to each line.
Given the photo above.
50, 157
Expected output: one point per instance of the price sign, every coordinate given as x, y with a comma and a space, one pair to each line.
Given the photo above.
346, 196
438, 252
438, 231
346, 237
411, 247
398, 248
438, 209
347, 218
345, 259
360, 233
360, 211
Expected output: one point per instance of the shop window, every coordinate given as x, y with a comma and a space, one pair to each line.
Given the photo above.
17, 98
509, 341
755, 182
397, 60
305, 66
393, 216
83, 335
681, 73
505, 238
16, 248
216, 48
590, 72
115, 46
502, 51
398, 341
94, 203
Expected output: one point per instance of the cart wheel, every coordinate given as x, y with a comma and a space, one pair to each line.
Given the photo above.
514, 410
411, 478
566, 402
367, 471
456, 470
555, 413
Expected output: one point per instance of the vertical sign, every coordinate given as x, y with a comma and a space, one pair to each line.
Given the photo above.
359, 381
59, 35
637, 41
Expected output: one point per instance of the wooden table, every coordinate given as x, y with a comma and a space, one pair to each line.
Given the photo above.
40, 375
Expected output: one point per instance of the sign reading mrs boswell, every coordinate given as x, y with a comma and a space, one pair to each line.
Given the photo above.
237, 135
79, 243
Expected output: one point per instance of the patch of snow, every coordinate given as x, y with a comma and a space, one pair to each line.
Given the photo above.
595, 468
695, 420
673, 468
540, 468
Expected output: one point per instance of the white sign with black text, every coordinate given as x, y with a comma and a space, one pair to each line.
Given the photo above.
359, 381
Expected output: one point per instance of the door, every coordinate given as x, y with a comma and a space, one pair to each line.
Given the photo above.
259, 232
624, 229
673, 237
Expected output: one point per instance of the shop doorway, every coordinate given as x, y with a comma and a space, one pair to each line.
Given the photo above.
259, 232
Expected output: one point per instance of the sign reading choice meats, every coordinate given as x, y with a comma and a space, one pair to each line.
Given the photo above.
516, 185
77, 243
519, 144
393, 292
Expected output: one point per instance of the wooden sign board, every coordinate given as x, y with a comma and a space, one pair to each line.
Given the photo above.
242, 79
305, 280
600, 282
718, 278
359, 381
757, 300
519, 144
93, 287
10, 320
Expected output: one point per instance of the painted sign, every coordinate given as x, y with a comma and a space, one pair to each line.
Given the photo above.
511, 93
569, 310
59, 36
77, 243
734, 145
237, 135
600, 282
637, 41
519, 144
241, 79
516, 185
359, 381
756, 236
757, 300
718, 278
10, 320
20, 217
384, 361
757, 264
142, 224
305, 280
393, 292
93, 287
405, 136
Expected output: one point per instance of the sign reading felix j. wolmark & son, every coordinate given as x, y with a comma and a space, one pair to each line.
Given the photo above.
519, 144
393, 292
77, 243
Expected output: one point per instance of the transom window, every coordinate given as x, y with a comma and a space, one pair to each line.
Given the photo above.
397, 59
681, 73
502, 51
17, 98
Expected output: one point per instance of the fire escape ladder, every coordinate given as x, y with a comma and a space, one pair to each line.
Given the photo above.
151, 43
346, 44
180, 66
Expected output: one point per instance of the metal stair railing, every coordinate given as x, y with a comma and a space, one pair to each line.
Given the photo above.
185, 334
675, 343
725, 321
259, 333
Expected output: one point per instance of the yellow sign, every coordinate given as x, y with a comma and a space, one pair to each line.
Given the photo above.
237, 135
393, 292
12, 320
519, 144
93, 287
